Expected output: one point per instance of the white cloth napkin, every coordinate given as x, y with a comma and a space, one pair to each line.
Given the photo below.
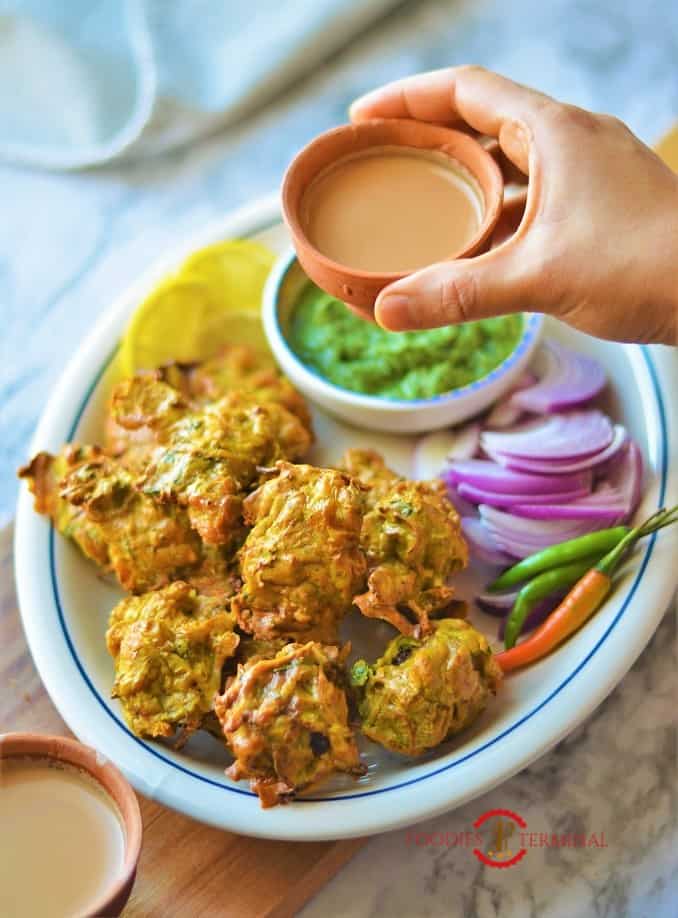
85, 81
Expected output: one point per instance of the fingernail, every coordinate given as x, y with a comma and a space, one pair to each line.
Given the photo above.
395, 312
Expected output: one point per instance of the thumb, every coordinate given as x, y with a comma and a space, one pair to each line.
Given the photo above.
463, 290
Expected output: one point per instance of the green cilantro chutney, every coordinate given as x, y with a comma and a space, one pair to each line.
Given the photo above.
357, 355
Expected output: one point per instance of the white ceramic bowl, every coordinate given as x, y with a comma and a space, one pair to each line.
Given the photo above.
376, 412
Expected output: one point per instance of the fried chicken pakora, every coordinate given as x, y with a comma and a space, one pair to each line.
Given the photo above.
285, 720
301, 564
412, 539
169, 648
421, 692
92, 500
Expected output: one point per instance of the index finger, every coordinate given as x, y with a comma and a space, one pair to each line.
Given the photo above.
483, 99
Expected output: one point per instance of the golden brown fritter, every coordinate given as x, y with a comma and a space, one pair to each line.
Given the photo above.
412, 538
147, 400
45, 474
369, 468
145, 405
169, 647
251, 648
217, 574
209, 459
421, 692
285, 720
301, 564
413, 544
142, 409
204, 458
239, 367
91, 499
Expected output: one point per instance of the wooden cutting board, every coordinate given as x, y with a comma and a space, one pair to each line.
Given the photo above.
186, 868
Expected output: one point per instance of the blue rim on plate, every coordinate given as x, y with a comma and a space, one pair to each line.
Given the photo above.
436, 771
532, 322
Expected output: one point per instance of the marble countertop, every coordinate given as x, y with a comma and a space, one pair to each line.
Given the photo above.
613, 778
70, 242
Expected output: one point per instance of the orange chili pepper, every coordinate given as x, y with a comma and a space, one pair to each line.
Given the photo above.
582, 601
579, 605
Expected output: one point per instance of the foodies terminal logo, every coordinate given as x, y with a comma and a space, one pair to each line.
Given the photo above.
504, 827
501, 838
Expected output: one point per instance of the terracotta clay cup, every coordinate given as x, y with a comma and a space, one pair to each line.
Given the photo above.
354, 286
61, 749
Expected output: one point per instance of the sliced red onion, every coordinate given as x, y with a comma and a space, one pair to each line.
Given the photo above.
488, 475
436, 449
496, 603
481, 544
542, 474
612, 502
463, 507
625, 474
559, 467
569, 379
466, 442
520, 537
505, 412
524, 381
559, 437
605, 510
482, 496
528, 530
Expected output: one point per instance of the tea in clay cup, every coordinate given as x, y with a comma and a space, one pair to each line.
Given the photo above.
377, 193
106, 799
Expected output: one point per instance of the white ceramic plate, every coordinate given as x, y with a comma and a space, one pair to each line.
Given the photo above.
65, 604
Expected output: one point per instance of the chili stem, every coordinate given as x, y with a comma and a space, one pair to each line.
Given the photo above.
609, 564
583, 600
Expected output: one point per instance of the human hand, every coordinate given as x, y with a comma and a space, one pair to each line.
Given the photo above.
597, 245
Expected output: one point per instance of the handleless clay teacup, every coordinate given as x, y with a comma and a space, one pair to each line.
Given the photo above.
359, 287
70, 752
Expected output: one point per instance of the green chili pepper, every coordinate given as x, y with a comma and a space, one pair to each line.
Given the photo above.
541, 587
594, 543
585, 597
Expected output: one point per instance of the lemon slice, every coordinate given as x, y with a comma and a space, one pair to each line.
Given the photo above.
234, 270
214, 300
667, 148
